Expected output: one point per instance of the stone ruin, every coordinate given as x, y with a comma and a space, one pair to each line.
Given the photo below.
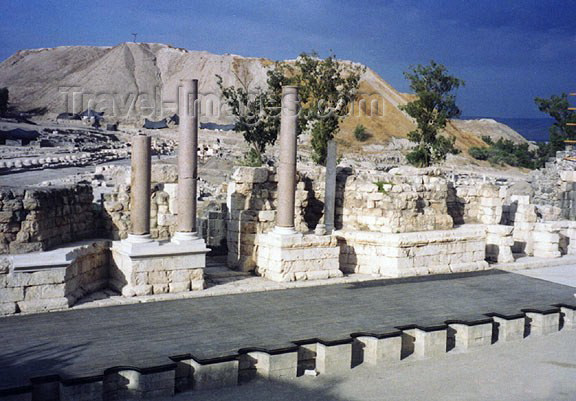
284, 223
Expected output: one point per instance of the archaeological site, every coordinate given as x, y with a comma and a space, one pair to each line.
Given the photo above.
168, 225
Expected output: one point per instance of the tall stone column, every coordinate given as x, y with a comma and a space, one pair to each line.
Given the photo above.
330, 187
187, 159
287, 167
141, 163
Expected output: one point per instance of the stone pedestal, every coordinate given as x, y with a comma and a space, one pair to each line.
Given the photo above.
333, 359
510, 329
546, 239
157, 268
378, 351
468, 336
543, 323
291, 257
275, 367
499, 243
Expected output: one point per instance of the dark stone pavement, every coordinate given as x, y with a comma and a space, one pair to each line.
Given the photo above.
83, 343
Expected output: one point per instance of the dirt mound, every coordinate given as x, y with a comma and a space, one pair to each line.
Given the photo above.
133, 81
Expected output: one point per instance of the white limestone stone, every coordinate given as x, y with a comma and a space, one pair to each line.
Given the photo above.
276, 367
381, 350
510, 329
471, 336
333, 359
543, 323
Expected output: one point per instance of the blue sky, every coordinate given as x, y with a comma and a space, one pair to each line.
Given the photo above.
508, 52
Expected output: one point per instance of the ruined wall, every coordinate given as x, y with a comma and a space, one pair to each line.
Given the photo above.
115, 211
69, 276
40, 218
404, 203
554, 188
392, 203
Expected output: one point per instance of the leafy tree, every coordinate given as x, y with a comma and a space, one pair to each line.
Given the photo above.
326, 89
3, 101
256, 112
435, 105
557, 108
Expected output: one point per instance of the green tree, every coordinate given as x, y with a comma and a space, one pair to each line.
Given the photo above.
3, 101
327, 87
435, 105
255, 112
557, 108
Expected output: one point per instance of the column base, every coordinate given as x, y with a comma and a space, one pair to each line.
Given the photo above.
181, 237
291, 256
285, 230
158, 268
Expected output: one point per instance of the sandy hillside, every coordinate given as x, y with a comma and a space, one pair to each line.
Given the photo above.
132, 81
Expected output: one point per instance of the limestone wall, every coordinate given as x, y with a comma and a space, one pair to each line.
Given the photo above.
56, 281
115, 213
413, 254
554, 186
369, 200
392, 203
40, 218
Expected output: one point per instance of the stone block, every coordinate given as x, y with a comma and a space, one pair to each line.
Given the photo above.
333, 359
424, 343
15, 294
7, 308
213, 375
255, 175
471, 336
81, 392
183, 286
43, 305
543, 323
46, 291
510, 329
275, 366
568, 318
378, 351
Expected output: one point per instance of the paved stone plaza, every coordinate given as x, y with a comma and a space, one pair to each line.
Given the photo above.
84, 343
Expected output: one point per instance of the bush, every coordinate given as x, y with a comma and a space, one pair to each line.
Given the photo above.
504, 151
479, 153
252, 158
360, 133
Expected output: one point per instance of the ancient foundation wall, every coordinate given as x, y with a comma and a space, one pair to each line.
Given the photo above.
115, 213
366, 201
40, 218
413, 254
56, 281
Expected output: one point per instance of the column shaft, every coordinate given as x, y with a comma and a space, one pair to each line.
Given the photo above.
187, 155
330, 195
141, 163
287, 167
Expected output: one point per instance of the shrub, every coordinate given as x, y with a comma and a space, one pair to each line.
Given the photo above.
360, 133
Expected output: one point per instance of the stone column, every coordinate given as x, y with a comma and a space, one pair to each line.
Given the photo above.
330, 192
141, 163
287, 167
187, 159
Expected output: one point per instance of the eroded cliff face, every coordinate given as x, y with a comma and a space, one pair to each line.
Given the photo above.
133, 81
